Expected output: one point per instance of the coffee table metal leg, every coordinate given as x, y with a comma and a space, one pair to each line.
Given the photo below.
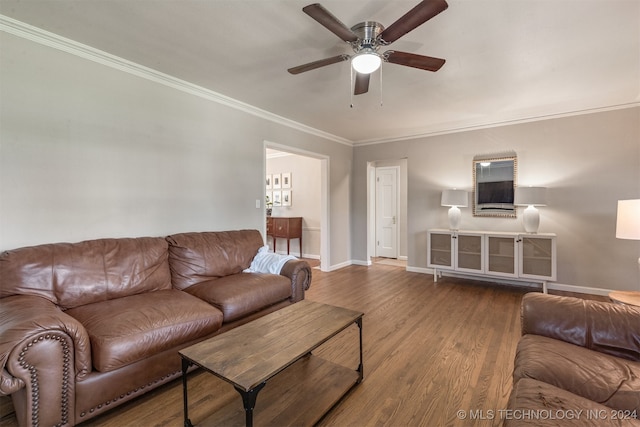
361, 366
185, 367
249, 402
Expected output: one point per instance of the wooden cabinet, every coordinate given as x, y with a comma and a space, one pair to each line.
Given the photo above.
518, 256
285, 228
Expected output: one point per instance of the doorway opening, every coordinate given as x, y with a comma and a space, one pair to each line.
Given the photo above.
387, 212
306, 197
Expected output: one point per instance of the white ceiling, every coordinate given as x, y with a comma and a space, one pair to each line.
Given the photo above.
507, 60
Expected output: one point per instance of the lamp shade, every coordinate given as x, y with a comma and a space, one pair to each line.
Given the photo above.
530, 196
628, 222
454, 198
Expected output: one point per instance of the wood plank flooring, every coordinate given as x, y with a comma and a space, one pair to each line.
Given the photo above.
430, 351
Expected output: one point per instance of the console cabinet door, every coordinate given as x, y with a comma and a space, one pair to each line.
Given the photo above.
501, 255
440, 249
469, 252
537, 256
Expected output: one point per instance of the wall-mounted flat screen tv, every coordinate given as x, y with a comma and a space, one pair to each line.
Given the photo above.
495, 193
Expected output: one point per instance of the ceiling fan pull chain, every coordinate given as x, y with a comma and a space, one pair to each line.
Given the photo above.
351, 87
381, 67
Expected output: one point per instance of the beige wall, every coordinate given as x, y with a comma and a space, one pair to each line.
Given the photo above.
89, 151
588, 162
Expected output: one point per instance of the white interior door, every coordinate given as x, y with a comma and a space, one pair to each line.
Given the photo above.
387, 212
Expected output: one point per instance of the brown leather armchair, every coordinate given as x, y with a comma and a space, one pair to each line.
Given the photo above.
577, 363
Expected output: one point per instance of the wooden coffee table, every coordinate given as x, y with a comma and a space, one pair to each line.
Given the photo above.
276, 348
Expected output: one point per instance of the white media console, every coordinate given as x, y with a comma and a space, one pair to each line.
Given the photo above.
512, 256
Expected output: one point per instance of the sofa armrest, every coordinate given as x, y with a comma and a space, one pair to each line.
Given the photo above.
42, 353
299, 272
605, 327
25, 317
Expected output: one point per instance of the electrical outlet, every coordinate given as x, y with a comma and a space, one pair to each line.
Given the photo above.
257, 203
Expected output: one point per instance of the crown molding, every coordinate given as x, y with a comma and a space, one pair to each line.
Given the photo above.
489, 125
38, 35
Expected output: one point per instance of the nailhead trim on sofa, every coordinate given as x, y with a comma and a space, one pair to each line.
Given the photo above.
35, 390
129, 393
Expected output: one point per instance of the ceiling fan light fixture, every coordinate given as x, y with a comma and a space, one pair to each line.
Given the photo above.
366, 62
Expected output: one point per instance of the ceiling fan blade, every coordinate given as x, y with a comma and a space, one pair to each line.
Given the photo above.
330, 22
317, 64
362, 84
417, 16
412, 60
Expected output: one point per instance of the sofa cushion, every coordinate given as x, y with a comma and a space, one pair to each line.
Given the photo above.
200, 257
241, 294
128, 329
605, 379
537, 404
75, 274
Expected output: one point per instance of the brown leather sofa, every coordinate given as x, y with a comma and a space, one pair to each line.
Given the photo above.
87, 326
577, 364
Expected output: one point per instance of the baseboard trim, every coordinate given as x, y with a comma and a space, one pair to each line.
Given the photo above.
534, 285
310, 256
419, 270
550, 285
343, 265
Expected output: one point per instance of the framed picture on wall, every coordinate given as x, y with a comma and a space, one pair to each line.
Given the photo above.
286, 197
268, 182
286, 180
276, 181
277, 198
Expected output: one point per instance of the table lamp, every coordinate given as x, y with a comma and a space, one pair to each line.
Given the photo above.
455, 199
628, 220
530, 197
627, 227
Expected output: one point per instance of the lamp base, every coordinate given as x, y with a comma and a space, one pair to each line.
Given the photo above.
454, 218
531, 219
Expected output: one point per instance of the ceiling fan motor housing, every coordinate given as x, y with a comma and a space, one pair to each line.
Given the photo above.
367, 33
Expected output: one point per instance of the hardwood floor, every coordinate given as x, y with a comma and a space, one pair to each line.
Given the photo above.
430, 351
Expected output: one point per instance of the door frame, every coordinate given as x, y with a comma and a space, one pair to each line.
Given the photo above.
324, 195
402, 206
396, 169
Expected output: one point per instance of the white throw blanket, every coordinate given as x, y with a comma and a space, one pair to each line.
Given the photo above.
268, 262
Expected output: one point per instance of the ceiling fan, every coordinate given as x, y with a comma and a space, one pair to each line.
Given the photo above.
367, 37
